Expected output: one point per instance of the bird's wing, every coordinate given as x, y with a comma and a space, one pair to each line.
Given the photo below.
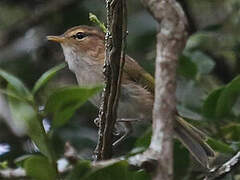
136, 73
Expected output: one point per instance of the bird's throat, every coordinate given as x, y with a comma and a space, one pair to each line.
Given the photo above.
87, 72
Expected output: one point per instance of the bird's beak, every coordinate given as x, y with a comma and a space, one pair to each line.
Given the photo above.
58, 39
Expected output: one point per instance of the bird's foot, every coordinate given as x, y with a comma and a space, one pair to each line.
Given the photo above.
127, 131
127, 120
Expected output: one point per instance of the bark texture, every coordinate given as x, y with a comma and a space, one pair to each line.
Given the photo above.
171, 39
113, 67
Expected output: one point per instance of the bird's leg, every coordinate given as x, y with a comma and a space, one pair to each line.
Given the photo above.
97, 120
127, 130
121, 126
127, 120
124, 125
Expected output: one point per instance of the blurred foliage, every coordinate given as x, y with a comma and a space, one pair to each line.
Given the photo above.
41, 101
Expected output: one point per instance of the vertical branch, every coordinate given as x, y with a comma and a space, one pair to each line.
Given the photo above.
106, 91
171, 39
113, 66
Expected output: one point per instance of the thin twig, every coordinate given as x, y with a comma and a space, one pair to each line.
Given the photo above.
226, 168
216, 173
71, 154
18, 173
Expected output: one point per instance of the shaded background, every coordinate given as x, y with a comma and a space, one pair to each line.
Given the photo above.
210, 60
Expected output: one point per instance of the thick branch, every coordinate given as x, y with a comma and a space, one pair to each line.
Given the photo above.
114, 61
171, 39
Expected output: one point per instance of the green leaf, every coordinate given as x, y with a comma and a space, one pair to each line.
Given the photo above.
204, 63
3, 165
93, 18
231, 131
116, 171
187, 68
181, 160
210, 104
142, 143
18, 86
62, 115
25, 116
197, 40
46, 77
12, 94
39, 168
80, 170
220, 146
228, 97
19, 161
65, 101
145, 139
141, 175
189, 95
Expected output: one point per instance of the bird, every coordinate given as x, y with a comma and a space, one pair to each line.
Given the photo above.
84, 50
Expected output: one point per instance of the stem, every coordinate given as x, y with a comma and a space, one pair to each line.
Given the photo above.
113, 67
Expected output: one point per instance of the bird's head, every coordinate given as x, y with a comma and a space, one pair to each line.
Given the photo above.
82, 43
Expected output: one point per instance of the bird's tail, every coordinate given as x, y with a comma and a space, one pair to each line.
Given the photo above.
194, 140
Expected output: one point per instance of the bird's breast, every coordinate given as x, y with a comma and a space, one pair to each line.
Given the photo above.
87, 72
135, 101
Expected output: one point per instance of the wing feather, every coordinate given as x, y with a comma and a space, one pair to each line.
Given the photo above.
134, 72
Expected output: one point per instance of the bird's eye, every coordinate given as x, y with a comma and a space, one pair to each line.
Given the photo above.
79, 35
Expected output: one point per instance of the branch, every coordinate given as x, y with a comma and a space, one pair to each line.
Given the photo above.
113, 67
171, 39
18, 29
226, 168
13, 174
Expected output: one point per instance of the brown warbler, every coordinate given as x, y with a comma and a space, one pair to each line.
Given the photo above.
84, 51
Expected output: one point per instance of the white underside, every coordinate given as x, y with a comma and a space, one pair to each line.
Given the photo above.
89, 75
